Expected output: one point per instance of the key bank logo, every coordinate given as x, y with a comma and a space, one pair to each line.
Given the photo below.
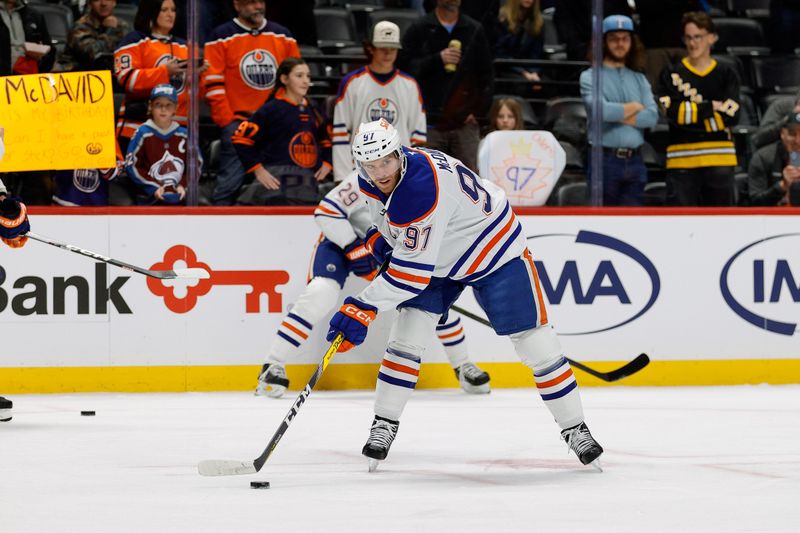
761, 283
593, 282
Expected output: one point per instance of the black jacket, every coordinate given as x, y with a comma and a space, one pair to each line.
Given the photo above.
35, 32
449, 97
765, 174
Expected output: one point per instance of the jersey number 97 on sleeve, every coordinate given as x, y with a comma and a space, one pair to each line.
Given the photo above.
471, 186
417, 238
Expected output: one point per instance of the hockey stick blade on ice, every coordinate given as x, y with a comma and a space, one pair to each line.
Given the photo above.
234, 468
631, 367
182, 273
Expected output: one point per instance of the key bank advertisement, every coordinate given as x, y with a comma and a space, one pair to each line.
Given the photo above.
679, 288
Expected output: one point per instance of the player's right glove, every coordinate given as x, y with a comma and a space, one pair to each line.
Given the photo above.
13, 222
377, 245
352, 319
359, 260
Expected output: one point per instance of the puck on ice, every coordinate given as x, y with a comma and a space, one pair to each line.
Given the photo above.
87, 413
259, 484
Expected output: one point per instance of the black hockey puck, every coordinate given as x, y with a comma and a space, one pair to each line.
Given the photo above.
259, 484
87, 413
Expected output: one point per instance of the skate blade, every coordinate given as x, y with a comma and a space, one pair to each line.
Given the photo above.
372, 464
476, 389
597, 465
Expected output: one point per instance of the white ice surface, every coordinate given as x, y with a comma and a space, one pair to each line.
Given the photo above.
677, 459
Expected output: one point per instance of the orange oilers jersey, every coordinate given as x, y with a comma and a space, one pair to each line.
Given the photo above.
243, 67
139, 65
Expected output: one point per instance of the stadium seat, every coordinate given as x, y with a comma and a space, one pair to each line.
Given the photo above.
336, 28
740, 33
347, 66
574, 160
655, 194
747, 7
404, 18
737, 65
126, 12
572, 194
59, 22
777, 74
563, 107
552, 44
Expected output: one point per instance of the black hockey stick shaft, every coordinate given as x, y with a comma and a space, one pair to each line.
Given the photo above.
626, 370
298, 403
159, 274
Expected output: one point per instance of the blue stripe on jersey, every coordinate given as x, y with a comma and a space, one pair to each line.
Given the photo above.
459, 341
497, 255
477, 241
295, 317
545, 371
563, 392
412, 264
288, 339
395, 381
402, 286
335, 205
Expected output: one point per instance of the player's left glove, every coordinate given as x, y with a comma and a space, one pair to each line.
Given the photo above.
359, 260
377, 245
352, 319
13, 222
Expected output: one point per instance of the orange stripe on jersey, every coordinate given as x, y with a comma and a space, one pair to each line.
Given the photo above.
325, 210
408, 277
488, 248
400, 368
291, 327
455, 333
542, 308
555, 381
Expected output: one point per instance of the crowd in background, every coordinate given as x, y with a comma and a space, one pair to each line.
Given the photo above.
276, 123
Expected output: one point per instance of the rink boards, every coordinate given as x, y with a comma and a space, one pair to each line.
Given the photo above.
713, 297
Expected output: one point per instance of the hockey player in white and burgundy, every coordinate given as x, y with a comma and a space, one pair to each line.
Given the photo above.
374, 91
449, 229
349, 244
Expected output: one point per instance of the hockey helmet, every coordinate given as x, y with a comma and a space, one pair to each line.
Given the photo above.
376, 140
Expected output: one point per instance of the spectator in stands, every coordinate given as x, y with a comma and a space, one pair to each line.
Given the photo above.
156, 158
95, 36
573, 20
240, 79
771, 123
518, 35
456, 81
775, 169
482, 11
377, 90
505, 114
628, 110
20, 26
699, 97
285, 143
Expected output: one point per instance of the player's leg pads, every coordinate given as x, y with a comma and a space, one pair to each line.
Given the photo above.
272, 381
540, 349
581, 441
381, 436
472, 379
5, 409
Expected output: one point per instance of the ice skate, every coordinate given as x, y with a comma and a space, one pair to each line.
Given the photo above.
580, 441
5, 409
472, 379
272, 381
380, 440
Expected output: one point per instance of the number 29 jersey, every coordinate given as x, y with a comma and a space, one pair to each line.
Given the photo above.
443, 221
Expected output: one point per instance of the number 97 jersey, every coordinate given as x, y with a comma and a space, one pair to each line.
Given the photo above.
442, 221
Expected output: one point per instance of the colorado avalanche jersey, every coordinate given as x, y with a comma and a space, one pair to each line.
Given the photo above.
157, 157
365, 97
441, 220
139, 65
243, 66
342, 214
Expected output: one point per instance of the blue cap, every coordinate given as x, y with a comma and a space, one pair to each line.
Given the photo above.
617, 23
166, 90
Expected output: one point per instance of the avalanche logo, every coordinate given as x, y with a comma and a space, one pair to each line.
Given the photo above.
610, 285
761, 282
382, 108
258, 69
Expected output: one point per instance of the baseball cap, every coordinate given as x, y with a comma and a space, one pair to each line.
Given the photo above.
793, 120
386, 35
617, 23
166, 90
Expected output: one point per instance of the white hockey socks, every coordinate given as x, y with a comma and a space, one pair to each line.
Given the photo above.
451, 335
397, 379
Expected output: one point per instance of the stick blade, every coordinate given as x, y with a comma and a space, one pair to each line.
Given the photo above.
641, 361
226, 468
192, 273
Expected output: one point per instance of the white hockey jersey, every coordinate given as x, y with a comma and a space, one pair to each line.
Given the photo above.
342, 214
441, 221
364, 98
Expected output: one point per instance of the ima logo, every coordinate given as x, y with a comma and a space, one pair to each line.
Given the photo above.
761, 283
382, 108
611, 284
303, 150
183, 298
258, 69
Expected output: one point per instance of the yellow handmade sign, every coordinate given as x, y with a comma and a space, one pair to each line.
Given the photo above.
57, 121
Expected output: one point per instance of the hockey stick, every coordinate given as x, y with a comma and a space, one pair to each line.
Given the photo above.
184, 273
231, 468
638, 363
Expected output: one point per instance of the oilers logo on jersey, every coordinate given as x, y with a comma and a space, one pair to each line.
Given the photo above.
303, 150
178, 80
258, 68
86, 180
381, 108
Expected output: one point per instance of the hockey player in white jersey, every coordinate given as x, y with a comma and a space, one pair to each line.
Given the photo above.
449, 229
344, 219
374, 91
